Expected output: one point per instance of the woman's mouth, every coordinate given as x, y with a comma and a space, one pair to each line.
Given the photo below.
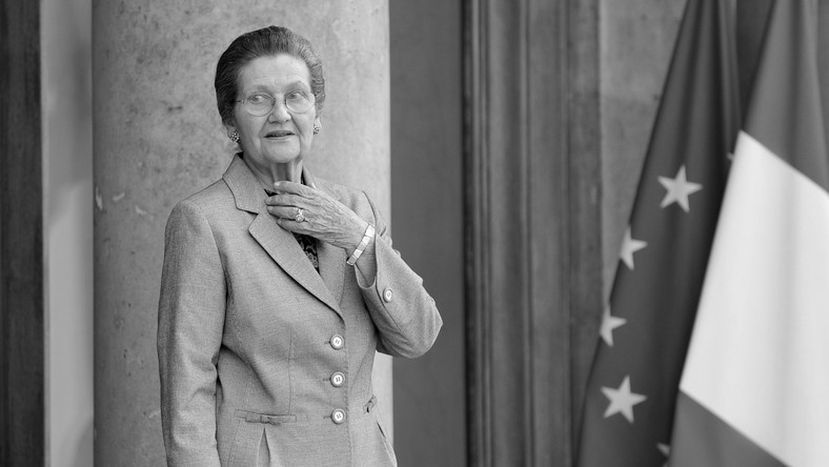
276, 134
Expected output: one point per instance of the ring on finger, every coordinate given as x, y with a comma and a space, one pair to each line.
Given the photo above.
299, 217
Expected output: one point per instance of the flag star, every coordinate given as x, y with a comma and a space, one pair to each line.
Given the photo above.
622, 400
679, 189
629, 247
609, 323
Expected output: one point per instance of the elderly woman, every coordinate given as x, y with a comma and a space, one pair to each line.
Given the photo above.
278, 287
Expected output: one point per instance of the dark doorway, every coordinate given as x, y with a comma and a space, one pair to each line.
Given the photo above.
427, 221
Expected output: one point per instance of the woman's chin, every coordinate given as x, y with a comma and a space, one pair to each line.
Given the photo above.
282, 157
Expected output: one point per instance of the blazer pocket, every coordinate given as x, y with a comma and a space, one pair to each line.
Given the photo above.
256, 417
250, 430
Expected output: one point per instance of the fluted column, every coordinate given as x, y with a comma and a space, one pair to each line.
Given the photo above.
533, 273
158, 138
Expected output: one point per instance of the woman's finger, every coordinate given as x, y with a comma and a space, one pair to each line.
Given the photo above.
286, 212
294, 188
293, 226
286, 200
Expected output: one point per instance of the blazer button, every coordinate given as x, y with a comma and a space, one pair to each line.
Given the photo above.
387, 295
337, 379
338, 416
337, 342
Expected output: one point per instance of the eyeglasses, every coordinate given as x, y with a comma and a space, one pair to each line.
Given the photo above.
260, 104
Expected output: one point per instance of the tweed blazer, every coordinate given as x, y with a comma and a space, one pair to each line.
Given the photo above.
264, 361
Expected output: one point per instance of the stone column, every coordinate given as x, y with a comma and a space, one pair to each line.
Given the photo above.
158, 138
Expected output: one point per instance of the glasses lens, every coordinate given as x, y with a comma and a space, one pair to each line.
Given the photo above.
299, 101
258, 104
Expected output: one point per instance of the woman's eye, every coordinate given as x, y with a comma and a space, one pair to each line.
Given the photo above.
296, 95
258, 99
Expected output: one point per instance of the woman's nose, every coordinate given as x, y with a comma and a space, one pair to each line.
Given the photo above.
279, 113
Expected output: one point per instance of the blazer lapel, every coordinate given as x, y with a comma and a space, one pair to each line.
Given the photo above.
280, 244
284, 249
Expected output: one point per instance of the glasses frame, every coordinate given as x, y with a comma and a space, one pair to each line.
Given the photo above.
312, 101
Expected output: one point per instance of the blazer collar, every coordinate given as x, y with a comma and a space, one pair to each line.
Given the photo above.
280, 244
247, 190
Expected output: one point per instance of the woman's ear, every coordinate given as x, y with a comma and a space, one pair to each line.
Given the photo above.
232, 132
317, 125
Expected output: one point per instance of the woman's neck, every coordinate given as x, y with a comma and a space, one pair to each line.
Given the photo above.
268, 175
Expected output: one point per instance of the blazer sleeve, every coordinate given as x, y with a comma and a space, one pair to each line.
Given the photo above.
190, 321
405, 314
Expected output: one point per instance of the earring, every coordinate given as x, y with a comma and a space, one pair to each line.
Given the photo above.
317, 128
234, 135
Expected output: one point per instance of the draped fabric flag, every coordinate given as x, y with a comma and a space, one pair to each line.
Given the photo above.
632, 388
755, 389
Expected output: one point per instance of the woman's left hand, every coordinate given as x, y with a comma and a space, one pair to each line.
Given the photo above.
323, 217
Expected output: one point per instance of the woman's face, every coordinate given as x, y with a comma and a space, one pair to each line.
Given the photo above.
282, 135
